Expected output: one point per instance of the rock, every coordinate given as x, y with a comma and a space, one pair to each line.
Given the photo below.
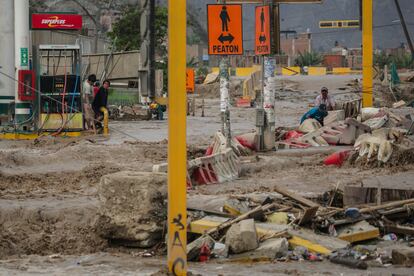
194, 248
403, 256
273, 248
242, 237
220, 250
278, 218
132, 207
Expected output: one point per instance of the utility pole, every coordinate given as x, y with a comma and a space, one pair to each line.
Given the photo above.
367, 54
407, 34
177, 151
225, 96
147, 49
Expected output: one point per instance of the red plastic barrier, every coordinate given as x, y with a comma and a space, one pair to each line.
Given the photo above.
247, 140
337, 158
209, 151
203, 176
292, 134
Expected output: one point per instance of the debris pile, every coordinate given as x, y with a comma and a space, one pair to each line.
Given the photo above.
378, 136
284, 227
129, 112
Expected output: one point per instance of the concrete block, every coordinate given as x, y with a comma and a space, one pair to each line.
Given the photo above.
132, 207
403, 256
334, 116
273, 248
242, 237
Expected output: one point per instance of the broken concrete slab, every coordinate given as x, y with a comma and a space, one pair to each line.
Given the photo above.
403, 256
132, 207
360, 231
273, 248
242, 236
268, 250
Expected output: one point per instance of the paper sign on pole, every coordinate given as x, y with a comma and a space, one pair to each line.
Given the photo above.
225, 29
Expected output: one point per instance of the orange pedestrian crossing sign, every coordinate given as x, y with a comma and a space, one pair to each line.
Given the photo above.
262, 41
225, 29
190, 80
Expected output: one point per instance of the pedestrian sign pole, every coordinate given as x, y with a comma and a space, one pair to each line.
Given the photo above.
177, 152
225, 37
367, 54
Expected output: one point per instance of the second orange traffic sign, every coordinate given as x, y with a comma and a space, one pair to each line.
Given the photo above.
262, 41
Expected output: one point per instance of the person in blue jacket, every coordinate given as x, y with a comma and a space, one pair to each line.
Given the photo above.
318, 113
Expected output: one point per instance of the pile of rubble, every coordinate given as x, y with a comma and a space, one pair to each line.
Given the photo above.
378, 136
283, 227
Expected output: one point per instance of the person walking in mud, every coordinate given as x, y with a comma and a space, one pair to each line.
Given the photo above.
262, 20
225, 19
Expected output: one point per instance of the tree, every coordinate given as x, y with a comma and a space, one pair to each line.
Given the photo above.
308, 59
126, 31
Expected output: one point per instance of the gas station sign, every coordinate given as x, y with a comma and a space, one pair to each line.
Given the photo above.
47, 21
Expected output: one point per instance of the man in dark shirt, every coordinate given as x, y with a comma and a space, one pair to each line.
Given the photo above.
100, 100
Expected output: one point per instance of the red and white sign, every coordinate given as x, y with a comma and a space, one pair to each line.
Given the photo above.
56, 21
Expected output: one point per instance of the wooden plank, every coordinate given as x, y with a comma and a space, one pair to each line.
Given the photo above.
387, 205
308, 215
405, 230
296, 197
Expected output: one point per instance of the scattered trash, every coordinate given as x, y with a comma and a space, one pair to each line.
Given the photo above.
390, 237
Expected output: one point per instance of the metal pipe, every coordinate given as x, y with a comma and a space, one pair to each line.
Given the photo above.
105, 121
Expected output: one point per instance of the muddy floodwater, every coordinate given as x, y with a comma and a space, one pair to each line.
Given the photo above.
48, 189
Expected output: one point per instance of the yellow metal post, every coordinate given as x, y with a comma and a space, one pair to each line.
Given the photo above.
367, 54
177, 153
105, 121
